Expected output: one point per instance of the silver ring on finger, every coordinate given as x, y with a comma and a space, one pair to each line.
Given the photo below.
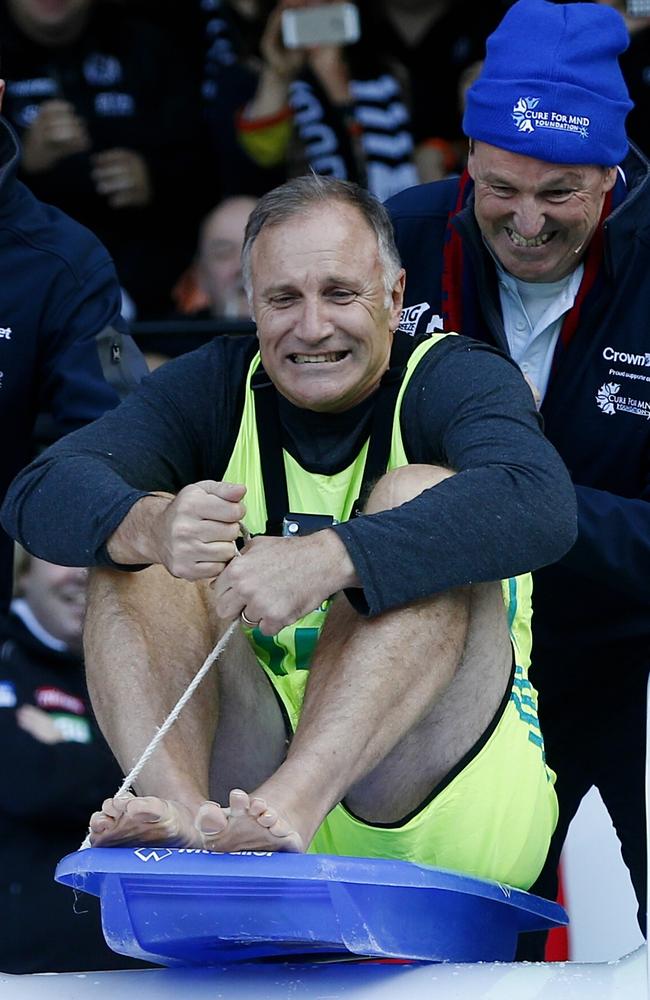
246, 621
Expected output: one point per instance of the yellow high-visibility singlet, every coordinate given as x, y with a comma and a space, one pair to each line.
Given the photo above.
495, 816
286, 656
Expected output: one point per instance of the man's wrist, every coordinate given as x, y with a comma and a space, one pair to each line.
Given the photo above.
336, 561
135, 540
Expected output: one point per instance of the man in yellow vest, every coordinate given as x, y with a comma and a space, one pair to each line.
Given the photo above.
375, 700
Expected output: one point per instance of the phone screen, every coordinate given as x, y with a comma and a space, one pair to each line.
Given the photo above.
325, 24
638, 8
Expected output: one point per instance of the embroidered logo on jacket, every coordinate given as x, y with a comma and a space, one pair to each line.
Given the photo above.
611, 402
605, 396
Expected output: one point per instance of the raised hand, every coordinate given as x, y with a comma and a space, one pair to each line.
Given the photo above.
122, 176
56, 132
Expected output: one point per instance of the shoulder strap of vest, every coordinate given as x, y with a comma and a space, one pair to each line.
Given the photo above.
269, 431
269, 435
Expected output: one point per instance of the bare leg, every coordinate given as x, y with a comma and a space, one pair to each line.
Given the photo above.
146, 635
380, 721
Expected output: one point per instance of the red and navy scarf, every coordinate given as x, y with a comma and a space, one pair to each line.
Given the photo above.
460, 300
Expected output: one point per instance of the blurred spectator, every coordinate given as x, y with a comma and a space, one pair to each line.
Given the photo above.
213, 286
337, 109
108, 114
63, 349
56, 766
231, 32
436, 41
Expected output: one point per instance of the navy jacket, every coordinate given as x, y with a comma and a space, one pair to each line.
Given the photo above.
595, 603
59, 311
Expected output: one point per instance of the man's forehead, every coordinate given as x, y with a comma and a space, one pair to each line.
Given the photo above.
326, 216
322, 230
494, 162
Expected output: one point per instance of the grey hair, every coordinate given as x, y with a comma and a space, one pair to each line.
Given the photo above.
300, 193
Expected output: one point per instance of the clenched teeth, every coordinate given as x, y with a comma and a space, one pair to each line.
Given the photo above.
520, 241
312, 359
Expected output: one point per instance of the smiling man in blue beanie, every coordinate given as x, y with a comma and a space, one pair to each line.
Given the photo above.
542, 247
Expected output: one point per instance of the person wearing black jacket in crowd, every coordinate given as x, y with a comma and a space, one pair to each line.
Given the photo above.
55, 765
64, 350
108, 113
340, 110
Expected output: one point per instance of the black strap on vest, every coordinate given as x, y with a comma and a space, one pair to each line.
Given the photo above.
269, 435
269, 432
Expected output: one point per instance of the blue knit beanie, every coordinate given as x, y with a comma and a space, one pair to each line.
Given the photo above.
551, 86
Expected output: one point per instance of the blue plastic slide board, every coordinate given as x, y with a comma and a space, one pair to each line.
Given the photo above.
193, 907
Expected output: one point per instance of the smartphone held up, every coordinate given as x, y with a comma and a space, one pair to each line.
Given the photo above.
638, 8
324, 24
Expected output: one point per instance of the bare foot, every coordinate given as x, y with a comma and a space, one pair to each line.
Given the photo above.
249, 824
137, 820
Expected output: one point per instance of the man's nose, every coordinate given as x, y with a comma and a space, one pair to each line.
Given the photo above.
528, 218
314, 323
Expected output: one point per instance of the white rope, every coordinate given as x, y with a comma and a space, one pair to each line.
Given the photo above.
171, 718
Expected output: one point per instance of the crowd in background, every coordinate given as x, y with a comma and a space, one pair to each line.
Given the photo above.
157, 124
138, 118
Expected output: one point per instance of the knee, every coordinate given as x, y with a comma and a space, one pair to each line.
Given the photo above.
151, 595
103, 581
400, 485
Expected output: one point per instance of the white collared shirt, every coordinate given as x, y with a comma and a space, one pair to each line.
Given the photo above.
532, 317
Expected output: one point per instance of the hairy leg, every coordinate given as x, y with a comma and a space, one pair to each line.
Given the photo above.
381, 720
146, 636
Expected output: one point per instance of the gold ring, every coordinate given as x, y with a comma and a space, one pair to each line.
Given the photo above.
247, 621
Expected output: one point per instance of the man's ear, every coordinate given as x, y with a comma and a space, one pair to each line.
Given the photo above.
397, 300
609, 180
470, 159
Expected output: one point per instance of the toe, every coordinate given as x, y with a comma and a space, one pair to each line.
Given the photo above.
239, 802
116, 806
268, 818
211, 820
146, 808
100, 822
257, 807
121, 802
